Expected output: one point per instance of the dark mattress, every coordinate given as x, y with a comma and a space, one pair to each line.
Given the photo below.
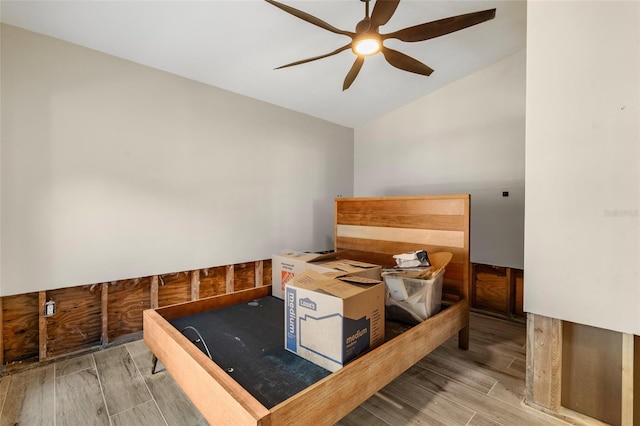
247, 340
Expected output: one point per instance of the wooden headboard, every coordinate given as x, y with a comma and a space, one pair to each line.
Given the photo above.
374, 229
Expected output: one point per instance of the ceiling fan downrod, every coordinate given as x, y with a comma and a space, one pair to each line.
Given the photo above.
364, 25
366, 7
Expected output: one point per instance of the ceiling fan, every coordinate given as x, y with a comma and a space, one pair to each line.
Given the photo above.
367, 40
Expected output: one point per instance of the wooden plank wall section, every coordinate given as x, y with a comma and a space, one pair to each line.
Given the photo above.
92, 316
392, 225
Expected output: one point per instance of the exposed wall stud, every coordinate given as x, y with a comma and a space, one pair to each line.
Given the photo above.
195, 285
229, 279
259, 280
627, 379
544, 361
154, 292
511, 292
104, 307
42, 299
1, 333
474, 279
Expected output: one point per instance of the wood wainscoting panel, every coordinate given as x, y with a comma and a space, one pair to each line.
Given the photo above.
21, 327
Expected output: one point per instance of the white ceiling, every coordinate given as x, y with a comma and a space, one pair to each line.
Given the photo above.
235, 45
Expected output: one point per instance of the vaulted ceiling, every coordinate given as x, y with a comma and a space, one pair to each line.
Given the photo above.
235, 45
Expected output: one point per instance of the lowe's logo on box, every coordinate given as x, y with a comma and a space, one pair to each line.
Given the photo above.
308, 303
290, 319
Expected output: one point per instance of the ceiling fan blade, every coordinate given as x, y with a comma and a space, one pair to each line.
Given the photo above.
310, 18
303, 61
404, 62
353, 73
382, 12
441, 27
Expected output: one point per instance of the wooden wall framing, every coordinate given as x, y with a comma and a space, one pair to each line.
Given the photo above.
544, 380
93, 316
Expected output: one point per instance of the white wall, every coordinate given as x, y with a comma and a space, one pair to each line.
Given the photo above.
582, 150
467, 137
112, 170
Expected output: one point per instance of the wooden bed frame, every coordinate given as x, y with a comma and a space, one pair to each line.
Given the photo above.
372, 229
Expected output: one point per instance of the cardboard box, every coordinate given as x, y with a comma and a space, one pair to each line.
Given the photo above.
331, 319
285, 266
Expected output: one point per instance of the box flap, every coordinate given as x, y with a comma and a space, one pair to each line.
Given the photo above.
357, 264
348, 266
304, 257
347, 286
316, 257
441, 259
311, 280
332, 283
356, 279
340, 289
327, 256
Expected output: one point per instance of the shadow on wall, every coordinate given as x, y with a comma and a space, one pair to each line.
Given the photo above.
497, 221
323, 224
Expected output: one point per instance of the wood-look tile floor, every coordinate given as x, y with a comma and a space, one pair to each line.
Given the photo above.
482, 386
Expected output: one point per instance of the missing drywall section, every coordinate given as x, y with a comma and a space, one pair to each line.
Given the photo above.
591, 371
497, 291
56, 323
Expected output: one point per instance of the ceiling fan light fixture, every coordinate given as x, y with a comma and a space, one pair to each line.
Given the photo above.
367, 46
